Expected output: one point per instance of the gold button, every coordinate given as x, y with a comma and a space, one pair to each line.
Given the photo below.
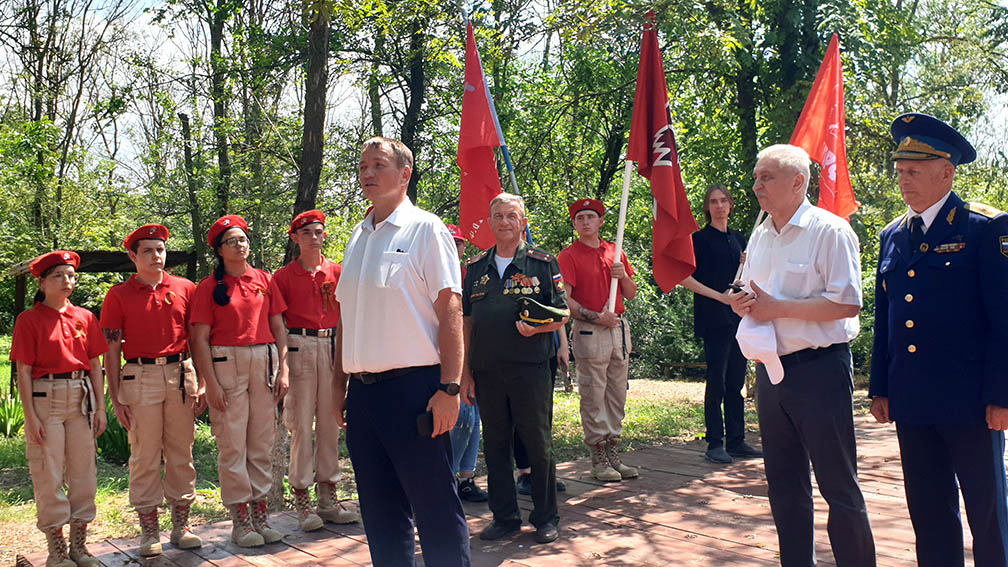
909, 297
948, 263
911, 273
924, 247
912, 349
909, 323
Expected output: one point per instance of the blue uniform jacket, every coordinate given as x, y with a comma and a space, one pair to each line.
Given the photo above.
941, 317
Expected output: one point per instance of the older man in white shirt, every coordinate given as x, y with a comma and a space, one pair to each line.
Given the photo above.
400, 342
803, 272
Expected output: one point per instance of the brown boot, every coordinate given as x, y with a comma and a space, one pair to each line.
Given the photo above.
260, 522
242, 533
601, 469
150, 534
58, 556
181, 536
329, 507
308, 520
612, 455
78, 545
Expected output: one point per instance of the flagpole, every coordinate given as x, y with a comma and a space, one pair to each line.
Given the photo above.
611, 305
759, 221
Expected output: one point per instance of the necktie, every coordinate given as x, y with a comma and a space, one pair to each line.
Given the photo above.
916, 232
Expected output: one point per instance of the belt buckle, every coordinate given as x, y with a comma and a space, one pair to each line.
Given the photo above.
161, 360
324, 333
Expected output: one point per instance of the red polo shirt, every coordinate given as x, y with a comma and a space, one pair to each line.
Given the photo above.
53, 342
311, 300
586, 270
244, 320
153, 321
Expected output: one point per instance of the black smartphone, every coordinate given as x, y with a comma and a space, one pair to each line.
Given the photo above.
735, 287
425, 425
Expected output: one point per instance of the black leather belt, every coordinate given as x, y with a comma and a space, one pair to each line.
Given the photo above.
375, 377
160, 361
313, 332
809, 354
66, 375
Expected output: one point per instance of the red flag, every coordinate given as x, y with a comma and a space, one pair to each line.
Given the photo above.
479, 134
820, 131
652, 145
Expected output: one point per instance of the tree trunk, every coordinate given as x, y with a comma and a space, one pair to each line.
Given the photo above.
411, 121
222, 190
194, 208
313, 134
374, 95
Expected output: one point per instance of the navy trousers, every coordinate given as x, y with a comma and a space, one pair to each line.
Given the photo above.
808, 418
938, 460
726, 369
403, 479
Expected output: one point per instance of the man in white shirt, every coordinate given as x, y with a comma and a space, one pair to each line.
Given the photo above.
400, 342
804, 275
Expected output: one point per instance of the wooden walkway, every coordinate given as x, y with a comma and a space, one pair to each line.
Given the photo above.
682, 511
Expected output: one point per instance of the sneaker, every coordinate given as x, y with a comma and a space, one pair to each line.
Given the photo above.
718, 455
470, 492
524, 484
744, 451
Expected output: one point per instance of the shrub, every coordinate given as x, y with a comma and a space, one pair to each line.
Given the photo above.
113, 445
11, 416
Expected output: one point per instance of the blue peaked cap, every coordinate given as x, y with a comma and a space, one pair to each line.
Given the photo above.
922, 137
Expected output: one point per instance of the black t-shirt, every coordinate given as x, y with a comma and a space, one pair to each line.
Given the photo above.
717, 257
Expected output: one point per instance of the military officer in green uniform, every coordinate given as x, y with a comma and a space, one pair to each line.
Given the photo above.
512, 301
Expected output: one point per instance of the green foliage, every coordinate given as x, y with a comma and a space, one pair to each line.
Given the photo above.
11, 416
113, 444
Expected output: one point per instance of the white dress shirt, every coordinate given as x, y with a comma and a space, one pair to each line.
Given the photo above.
929, 214
392, 274
816, 254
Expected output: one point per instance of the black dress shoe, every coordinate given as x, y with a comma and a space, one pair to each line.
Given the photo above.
744, 451
497, 531
524, 484
546, 533
718, 455
560, 486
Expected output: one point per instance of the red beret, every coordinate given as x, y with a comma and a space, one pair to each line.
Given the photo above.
456, 232
54, 258
147, 231
586, 205
222, 224
306, 218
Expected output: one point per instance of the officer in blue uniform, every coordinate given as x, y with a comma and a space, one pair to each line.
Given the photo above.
941, 330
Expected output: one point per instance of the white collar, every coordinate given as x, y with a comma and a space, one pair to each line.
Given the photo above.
929, 214
399, 217
800, 218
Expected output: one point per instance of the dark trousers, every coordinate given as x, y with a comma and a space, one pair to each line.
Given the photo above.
520, 454
808, 417
402, 478
934, 458
518, 398
726, 370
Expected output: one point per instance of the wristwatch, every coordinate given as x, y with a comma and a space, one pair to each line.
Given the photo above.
450, 388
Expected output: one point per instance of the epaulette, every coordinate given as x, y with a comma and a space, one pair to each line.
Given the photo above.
476, 258
982, 209
539, 255
895, 221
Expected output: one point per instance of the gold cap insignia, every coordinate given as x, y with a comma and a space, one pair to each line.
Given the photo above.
908, 119
911, 145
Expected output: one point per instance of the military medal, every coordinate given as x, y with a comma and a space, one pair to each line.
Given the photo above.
924, 247
950, 247
484, 280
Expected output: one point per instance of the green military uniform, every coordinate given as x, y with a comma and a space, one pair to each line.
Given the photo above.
514, 389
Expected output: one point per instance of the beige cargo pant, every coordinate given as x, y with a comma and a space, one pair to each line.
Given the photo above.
245, 430
66, 458
602, 358
163, 428
308, 407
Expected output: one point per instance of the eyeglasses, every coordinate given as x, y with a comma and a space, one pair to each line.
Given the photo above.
234, 241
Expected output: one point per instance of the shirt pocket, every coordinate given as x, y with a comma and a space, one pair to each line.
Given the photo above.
795, 279
392, 269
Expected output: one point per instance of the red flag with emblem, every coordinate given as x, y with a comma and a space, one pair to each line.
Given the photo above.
652, 145
479, 134
820, 132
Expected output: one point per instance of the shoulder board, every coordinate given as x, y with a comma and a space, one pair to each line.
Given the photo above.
476, 258
982, 209
539, 255
895, 221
